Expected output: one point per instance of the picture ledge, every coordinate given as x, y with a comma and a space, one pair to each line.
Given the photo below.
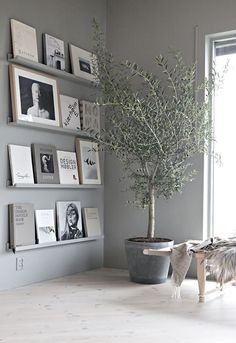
49, 70
51, 185
51, 128
52, 244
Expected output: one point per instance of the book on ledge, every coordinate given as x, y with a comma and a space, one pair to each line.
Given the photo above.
20, 164
21, 224
91, 221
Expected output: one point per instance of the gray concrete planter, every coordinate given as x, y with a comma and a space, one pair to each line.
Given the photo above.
147, 269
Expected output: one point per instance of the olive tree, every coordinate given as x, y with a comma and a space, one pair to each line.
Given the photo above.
153, 123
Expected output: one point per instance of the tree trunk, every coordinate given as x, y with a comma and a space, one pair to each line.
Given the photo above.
151, 213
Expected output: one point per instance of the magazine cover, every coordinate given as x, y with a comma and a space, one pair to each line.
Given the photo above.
67, 165
45, 163
69, 221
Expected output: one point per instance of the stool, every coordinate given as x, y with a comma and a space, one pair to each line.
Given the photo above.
201, 267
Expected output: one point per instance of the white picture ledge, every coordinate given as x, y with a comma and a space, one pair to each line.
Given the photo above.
52, 244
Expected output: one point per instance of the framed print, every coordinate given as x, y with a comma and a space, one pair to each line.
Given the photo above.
82, 63
88, 160
69, 220
34, 96
54, 52
24, 40
45, 163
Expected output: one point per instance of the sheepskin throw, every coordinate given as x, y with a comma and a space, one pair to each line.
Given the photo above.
180, 260
220, 257
221, 260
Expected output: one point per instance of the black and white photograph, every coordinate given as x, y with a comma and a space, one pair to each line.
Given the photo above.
89, 166
54, 52
45, 163
69, 220
82, 62
84, 65
34, 96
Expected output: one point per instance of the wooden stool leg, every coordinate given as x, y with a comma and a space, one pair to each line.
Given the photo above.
201, 275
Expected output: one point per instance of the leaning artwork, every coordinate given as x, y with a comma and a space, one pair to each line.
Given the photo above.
69, 220
34, 96
88, 160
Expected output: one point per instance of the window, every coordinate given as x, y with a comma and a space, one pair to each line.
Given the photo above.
222, 177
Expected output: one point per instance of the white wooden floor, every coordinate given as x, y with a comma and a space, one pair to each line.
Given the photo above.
103, 306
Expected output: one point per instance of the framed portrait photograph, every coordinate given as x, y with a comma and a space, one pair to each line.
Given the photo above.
82, 62
88, 160
35, 96
69, 220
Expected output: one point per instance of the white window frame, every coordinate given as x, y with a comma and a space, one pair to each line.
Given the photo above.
208, 186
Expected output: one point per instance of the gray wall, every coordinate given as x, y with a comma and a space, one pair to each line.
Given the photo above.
138, 30
69, 20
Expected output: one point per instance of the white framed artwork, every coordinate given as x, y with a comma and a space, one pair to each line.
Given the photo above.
82, 63
34, 96
88, 161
